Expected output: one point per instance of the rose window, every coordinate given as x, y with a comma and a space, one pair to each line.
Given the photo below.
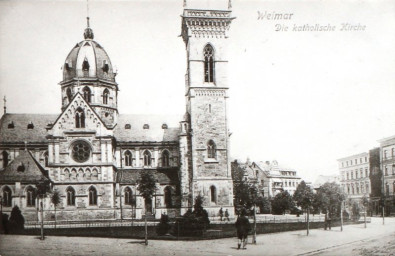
80, 151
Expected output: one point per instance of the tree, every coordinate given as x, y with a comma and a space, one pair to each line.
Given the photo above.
55, 200
16, 220
147, 187
303, 197
245, 192
329, 198
264, 204
282, 202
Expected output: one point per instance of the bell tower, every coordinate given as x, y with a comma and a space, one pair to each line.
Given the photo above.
205, 33
88, 70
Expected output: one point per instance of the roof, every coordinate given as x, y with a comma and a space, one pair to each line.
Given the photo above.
155, 132
274, 170
24, 168
93, 53
163, 176
20, 132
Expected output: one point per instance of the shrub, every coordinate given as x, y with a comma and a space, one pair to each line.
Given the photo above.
163, 226
193, 223
16, 221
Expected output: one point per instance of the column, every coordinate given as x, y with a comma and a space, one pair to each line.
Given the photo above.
50, 153
137, 157
103, 152
109, 152
57, 153
156, 156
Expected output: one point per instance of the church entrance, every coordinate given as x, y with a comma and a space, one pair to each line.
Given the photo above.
148, 206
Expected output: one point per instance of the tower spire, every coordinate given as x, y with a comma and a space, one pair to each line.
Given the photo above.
88, 33
185, 3
230, 4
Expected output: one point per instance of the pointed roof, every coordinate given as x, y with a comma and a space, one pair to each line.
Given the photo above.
20, 132
24, 168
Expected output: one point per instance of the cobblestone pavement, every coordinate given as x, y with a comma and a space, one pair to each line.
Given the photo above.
376, 239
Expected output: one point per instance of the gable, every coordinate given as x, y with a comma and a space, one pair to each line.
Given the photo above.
87, 121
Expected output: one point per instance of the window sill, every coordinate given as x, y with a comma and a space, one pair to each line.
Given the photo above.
211, 161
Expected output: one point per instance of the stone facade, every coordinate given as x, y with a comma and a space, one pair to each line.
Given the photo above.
94, 156
205, 35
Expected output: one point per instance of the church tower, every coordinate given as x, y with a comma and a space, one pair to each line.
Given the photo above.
205, 129
88, 71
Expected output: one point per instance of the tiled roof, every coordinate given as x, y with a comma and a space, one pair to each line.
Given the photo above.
155, 132
165, 176
24, 168
20, 132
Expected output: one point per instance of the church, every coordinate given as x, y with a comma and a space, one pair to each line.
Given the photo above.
93, 154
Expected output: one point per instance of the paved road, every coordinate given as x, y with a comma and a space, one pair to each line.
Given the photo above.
320, 242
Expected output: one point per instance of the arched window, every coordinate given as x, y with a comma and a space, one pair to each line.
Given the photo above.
208, 64
80, 176
46, 158
73, 175
92, 196
79, 118
7, 197
105, 96
147, 158
95, 175
128, 158
129, 196
69, 95
87, 94
70, 196
88, 174
167, 196
30, 197
165, 158
213, 193
211, 150
5, 158
66, 174
85, 65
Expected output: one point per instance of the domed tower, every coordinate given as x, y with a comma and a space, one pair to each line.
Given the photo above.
88, 70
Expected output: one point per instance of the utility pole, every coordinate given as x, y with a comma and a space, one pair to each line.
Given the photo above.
254, 241
146, 230
42, 219
341, 215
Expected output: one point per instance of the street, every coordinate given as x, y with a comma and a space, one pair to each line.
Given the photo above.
376, 239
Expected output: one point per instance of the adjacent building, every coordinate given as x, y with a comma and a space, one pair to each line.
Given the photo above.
273, 178
387, 160
93, 154
354, 175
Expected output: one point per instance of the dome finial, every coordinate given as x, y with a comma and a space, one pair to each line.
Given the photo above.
88, 34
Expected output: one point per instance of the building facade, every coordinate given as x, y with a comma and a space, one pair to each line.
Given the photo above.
387, 160
274, 179
93, 155
355, 176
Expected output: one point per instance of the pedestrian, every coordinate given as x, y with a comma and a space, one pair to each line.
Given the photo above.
221, 213
326, 220
329, 220
227, 215
243, 227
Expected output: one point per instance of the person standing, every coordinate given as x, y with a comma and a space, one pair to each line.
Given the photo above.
227, 215
221, 213
243, 227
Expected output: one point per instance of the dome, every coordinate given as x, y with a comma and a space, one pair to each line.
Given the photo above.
88, 60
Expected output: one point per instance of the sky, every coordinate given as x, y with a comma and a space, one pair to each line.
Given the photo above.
303, 98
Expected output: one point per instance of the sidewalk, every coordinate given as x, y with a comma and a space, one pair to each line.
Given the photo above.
286, 243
